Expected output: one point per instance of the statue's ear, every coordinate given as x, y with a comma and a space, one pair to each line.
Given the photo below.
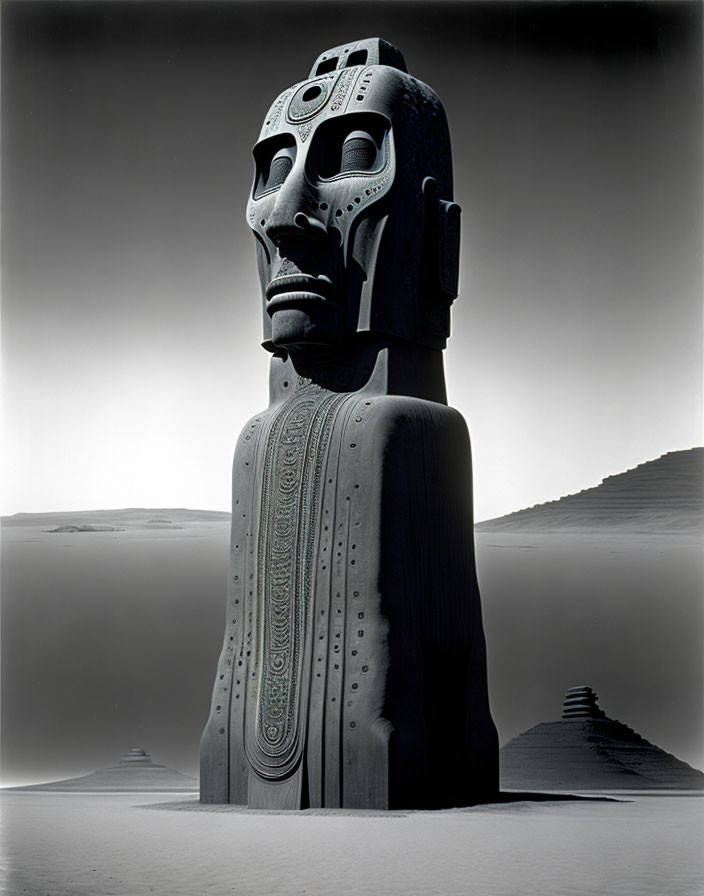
440, 259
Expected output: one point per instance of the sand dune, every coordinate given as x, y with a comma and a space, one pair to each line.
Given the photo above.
662, 495
586, 750
134, 773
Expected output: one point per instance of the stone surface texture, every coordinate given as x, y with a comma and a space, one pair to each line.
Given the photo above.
353, 669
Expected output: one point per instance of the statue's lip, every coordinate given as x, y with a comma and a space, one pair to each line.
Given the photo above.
298, 300
283, 289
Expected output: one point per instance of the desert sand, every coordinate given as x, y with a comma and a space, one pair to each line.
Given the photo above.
138, 844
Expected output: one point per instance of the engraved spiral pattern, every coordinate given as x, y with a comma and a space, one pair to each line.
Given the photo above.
295, 454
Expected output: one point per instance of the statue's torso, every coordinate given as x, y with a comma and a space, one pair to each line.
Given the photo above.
326, 589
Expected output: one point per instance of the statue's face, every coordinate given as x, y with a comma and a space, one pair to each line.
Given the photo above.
325, 163
339, 207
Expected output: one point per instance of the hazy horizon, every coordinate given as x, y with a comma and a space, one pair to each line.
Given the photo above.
83, 510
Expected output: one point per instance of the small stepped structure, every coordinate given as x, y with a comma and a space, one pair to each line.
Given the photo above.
581, 703
134, 773
586, 750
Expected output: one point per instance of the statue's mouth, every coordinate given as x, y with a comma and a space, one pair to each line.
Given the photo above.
298, 291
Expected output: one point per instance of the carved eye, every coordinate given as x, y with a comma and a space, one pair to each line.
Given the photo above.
359, 152
351, 144
273, 165
280, 166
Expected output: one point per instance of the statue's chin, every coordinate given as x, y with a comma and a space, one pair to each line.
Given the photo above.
292, 326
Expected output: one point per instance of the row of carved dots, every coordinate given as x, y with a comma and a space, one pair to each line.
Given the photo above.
336, 648
366, 81
354, 652
356, 595
230, 648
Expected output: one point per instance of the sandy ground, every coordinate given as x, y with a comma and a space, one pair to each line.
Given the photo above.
126, 845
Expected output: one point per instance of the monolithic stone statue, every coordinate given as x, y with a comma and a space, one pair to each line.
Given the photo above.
353, 671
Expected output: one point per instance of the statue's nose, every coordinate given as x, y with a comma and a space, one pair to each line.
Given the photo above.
300, 226
293, 215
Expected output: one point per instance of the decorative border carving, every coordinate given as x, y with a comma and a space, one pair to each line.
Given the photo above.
347, 76
295, 454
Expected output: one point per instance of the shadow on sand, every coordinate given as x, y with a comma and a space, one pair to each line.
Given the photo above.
515, 799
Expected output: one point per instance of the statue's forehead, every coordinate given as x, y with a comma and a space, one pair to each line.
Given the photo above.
304, 105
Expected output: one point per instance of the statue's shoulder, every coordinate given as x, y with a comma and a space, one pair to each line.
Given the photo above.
400, 416
252, 431
408, 406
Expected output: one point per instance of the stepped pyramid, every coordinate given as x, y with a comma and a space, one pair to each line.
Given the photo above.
134, 773
662, 495
586, 750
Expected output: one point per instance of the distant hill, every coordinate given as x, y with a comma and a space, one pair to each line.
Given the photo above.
662, 495
134, 773
585, 750
113, 520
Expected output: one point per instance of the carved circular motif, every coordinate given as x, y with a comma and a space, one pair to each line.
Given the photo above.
308, 100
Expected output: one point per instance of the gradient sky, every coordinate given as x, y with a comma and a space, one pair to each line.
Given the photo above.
130, 298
